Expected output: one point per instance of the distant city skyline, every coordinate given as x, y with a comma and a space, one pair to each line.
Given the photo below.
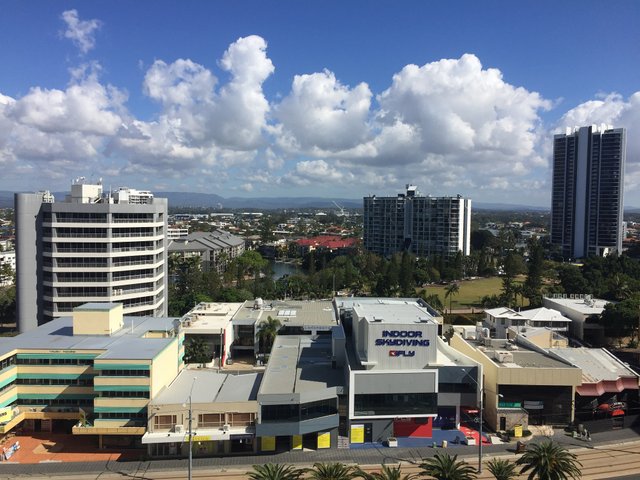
327, 99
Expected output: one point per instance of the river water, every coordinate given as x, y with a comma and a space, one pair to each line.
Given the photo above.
281, 269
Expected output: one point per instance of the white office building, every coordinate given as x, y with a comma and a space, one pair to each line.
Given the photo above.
91, 247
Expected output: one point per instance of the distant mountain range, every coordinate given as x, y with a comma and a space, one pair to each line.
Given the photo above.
211, 200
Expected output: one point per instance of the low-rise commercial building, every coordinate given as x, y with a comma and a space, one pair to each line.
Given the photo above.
521, 385
584, 312
92, 373
404, 380
223, 412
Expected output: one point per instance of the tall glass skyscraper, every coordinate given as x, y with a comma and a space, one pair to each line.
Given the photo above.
587, 196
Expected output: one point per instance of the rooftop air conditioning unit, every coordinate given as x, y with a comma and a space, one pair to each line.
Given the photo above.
178, 428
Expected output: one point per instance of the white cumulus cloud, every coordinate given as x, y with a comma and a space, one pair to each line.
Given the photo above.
80, 32
321, 113
612, 109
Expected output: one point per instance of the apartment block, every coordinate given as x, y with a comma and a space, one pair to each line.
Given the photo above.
91, 247
424, 226
587, 195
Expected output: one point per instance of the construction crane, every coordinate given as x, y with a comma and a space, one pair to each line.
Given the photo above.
341, 214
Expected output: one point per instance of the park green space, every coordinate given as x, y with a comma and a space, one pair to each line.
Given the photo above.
471, 292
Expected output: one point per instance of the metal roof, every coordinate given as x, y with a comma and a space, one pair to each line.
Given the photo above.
209, 386
300, 364
597, 364
127, 343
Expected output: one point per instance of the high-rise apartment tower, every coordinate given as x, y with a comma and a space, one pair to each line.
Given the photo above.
424, 226
587, 197
91, 247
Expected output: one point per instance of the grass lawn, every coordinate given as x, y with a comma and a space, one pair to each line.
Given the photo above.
471, 292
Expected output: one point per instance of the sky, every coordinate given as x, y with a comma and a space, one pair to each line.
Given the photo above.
337, 99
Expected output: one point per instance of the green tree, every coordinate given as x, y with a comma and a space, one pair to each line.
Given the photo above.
445, 467
196, 350
8, 304
387, 473
407, 267
267, 331
450, 291
549, 461
331, 471
532, 287
620, 319
275, 471
572, 280
619, 287
502, 469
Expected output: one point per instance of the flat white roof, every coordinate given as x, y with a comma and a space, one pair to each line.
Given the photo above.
393, 313
595, 306
209, 317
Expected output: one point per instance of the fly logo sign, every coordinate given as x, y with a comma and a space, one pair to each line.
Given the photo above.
402, 353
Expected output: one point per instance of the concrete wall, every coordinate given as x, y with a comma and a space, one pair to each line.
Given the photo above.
396, 346
28, 243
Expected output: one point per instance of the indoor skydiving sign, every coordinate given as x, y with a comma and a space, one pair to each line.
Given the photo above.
402, 338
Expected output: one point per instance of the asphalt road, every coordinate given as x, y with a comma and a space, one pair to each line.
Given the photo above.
610, 455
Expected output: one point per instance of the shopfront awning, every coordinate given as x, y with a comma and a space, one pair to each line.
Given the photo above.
200, 435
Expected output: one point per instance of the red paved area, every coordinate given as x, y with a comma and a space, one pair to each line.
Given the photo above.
51, 447
470, 432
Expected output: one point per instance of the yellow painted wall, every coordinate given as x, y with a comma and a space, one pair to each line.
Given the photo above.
489, 374
54, 389
98, 322
109, 423
114, 381
494, 375
164, 368
8, 354
8, 394
110, 361
44, 370
120, 402
8, 372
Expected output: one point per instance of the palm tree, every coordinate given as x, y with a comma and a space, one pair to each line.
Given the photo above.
275, 471
502, 469
433, 299
331, 471
267, 332
445, 467
549, 461
387, 473
450, 291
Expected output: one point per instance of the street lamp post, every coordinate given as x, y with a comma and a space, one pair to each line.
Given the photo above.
480, 430
190, 467
480, 385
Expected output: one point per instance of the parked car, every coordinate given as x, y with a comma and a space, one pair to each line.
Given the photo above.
612, 409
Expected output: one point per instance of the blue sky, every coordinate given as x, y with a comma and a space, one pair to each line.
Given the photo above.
330, 98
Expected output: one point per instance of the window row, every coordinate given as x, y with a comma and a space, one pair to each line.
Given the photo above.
54, 361
125, 373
